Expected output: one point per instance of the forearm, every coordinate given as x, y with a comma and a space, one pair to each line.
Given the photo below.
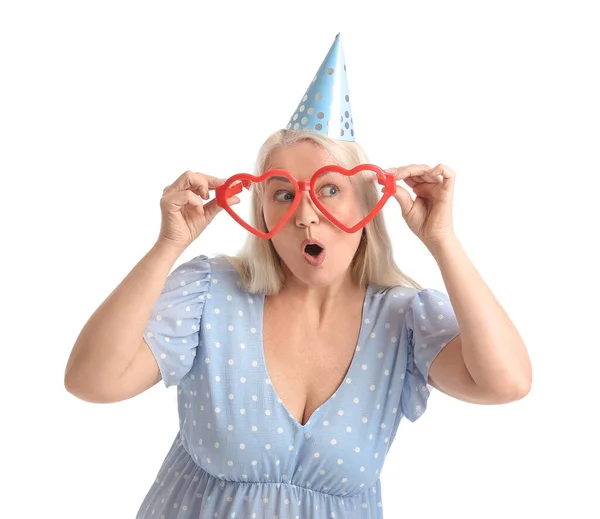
109, 340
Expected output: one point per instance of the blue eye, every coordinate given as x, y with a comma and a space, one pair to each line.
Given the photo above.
330, 190
281, 196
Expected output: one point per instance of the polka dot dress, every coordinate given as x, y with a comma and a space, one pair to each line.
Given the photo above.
239, 453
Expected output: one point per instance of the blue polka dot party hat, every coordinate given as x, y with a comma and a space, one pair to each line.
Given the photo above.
325, 107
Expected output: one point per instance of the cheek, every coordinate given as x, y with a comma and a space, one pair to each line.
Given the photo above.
351, 209
271, 215
273, 212
268, 217
286, 249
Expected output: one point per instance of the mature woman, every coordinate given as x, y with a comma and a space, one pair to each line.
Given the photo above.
296, 359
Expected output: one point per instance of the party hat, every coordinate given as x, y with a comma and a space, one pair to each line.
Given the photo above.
325, 107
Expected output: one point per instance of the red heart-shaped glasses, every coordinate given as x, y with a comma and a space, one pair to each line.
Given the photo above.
235, 184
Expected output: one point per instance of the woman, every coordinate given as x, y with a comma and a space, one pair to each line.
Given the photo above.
293, 373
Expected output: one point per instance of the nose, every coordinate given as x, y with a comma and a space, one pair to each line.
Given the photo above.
306, 212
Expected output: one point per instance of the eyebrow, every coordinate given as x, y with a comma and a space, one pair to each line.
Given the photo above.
285, 179
282, 179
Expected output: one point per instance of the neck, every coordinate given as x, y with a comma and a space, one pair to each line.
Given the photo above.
339, 291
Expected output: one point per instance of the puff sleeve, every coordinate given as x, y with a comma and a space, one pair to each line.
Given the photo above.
430, 324
172, 332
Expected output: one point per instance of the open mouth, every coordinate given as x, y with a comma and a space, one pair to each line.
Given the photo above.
314, 253
313, 249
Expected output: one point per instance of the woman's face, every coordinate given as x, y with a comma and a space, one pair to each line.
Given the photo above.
307, 222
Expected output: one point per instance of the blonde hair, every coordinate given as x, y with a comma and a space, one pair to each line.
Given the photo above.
258, 263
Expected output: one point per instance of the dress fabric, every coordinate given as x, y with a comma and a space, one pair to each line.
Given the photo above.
238, 452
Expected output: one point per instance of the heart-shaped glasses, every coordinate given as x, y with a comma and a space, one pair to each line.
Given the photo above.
332, 188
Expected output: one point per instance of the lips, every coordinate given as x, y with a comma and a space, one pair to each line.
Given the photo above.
312, 247
314, 252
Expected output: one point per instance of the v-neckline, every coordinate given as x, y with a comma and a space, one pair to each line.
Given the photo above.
357, 347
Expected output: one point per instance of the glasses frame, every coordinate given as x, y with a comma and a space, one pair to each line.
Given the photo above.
235, 184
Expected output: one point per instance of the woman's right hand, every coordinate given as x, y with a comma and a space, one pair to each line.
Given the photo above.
184, 214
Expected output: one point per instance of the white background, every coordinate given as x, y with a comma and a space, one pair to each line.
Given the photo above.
103, 104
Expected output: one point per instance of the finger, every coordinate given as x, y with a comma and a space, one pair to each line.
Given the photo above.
180, 182
443, 171
194, 181
404, 199
418, 174
428, 178
176, 200
207, 180
210, 181
399, 168
411, 169
211, 209
214, 181
202, 191
414, 180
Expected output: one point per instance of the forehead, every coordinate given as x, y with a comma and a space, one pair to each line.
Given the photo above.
302, 159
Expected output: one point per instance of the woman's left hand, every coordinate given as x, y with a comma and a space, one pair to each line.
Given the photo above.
429, 216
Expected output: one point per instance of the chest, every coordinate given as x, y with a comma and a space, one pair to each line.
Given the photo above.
263, 373
306, 365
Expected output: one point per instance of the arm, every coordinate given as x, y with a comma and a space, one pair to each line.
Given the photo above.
110, 361
488, 363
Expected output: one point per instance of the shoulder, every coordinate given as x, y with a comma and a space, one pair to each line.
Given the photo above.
396, 301
212, 266
399, 296
396, 297
223, 269
222, 278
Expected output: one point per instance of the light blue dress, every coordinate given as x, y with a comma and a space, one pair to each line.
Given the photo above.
239, 453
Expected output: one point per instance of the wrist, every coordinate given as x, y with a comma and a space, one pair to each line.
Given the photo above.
168, 248
441, 243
